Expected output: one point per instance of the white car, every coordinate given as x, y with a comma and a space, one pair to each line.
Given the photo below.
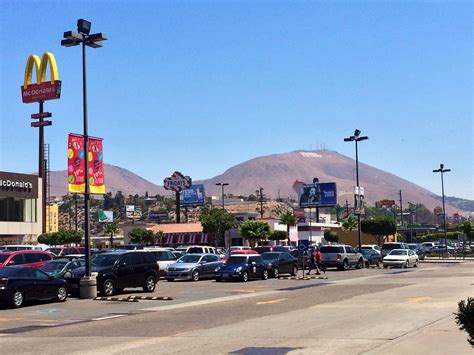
163, 257
401, 258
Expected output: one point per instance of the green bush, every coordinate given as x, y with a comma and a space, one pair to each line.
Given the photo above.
278, 235
465, 318
331, 236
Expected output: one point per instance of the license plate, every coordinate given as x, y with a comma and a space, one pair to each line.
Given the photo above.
225, 275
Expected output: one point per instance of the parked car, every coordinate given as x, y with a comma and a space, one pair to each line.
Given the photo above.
65, 251
389, 246
418, 249
268, 248
119, 270
12, 247
19, 284
280, 263
374, 247
201, 249
130, 247
371, 257
242, 267
238, 247
193, 267
301, 257
60, 267
243, 252
429, 246
440, 249
163, 257
341, 256
401, 258
31, 258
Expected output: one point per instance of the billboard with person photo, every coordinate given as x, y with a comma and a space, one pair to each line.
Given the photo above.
317, 195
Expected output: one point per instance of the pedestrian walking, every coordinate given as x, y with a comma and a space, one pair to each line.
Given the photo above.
312, 263
319, 262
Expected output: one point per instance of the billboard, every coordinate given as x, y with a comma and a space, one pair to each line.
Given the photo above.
177, 182
385, 203
134, 212
194, 196
317, 195
52, 218
106, 216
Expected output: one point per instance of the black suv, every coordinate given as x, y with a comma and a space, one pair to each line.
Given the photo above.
118, 270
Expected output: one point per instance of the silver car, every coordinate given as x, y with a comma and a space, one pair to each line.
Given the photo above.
193, 267
341, 256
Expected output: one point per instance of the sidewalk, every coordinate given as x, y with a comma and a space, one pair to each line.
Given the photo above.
452, 260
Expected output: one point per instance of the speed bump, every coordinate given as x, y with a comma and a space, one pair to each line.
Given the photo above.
303, 278
149, 298
116, 299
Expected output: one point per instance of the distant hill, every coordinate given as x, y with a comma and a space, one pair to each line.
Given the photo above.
461, 203
116, 179
276, 174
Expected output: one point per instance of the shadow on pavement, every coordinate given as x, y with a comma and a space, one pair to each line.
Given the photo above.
263, 351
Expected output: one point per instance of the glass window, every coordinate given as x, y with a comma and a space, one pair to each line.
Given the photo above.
31, 258
125, 260
39, 274
17, 209
44, 257
136, 259
332, 249
18, 259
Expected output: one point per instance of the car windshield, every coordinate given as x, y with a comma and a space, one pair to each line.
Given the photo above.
234, 259
56, 251
391, 246
412, 246
104, 259
3, 257
195, 250
270, 256
398, 252
54, 266
189, 259
365, 251
9, 271
332, 249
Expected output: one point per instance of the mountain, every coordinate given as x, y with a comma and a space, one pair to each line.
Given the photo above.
276, 174
116, 179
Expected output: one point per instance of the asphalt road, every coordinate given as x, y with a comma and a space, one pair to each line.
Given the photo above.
349, 312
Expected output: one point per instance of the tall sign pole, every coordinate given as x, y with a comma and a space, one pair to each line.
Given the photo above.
177, 182
40, 92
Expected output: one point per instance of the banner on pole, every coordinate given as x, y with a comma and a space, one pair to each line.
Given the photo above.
75, 163
96, 166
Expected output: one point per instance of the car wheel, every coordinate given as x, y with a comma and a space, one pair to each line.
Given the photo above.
150, 284
406, 264
367, 264
170, 279
345, 265
378, 264
196, 275
108, 287
245, 276
416, 263
360, 264
295, 271
265, 274
62, 294
276, 273
218, 279
17, 299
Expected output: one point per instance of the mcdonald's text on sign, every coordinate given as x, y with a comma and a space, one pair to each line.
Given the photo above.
43, 89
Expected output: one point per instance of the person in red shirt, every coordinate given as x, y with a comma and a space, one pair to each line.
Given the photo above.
319, 262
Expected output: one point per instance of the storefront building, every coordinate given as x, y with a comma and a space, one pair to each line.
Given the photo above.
20, 208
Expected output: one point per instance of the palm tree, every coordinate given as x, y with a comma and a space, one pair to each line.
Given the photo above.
288, 218
349, 224
112, 230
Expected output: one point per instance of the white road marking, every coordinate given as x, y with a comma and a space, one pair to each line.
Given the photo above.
110, 317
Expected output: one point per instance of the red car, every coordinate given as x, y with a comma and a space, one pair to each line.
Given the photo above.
31, 258
65, 251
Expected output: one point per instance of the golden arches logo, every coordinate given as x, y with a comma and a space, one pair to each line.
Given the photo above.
42, 90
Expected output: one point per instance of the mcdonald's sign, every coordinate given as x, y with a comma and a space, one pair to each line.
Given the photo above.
42, 90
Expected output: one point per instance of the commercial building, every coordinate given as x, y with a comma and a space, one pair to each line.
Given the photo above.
20, 208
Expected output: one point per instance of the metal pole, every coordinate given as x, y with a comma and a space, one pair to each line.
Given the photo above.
41, 170
261, 203
444, 214
358, 192
75, 212
223, 205
86, 159
178, 212
401, 209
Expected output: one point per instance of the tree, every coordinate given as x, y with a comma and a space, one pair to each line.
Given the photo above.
254, 231
379, 227
330, 236
142, 236
466, 227
111, 229
289, 219
157, 237
60, 238
465, 318
278, 235
216, 221
349, 224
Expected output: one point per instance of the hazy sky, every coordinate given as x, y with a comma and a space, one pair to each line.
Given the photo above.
199, 86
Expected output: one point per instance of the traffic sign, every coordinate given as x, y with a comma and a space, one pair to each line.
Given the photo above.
41, 115
303, 245
41, 123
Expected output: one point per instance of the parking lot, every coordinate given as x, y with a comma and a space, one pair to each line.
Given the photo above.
368, 308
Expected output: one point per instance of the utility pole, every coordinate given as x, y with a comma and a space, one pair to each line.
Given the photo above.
260, 193
401, 209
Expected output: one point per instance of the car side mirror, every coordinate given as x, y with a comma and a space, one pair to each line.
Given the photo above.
67, 274
11, 262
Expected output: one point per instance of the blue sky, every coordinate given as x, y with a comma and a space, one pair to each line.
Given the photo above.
199, 86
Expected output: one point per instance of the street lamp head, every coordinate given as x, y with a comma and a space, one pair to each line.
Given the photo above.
83, 26
357, 133
349, 139
362, 138
69, 43
74, 36
218, 184
441, 166
225, 184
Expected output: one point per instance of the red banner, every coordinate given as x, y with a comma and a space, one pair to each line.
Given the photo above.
75, 163
95, 166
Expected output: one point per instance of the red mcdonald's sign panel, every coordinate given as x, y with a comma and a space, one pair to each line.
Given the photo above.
75, 163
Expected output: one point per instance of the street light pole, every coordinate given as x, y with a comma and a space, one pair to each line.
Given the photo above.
260, 195
222, 185
94, 41
442, 171
356, 138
